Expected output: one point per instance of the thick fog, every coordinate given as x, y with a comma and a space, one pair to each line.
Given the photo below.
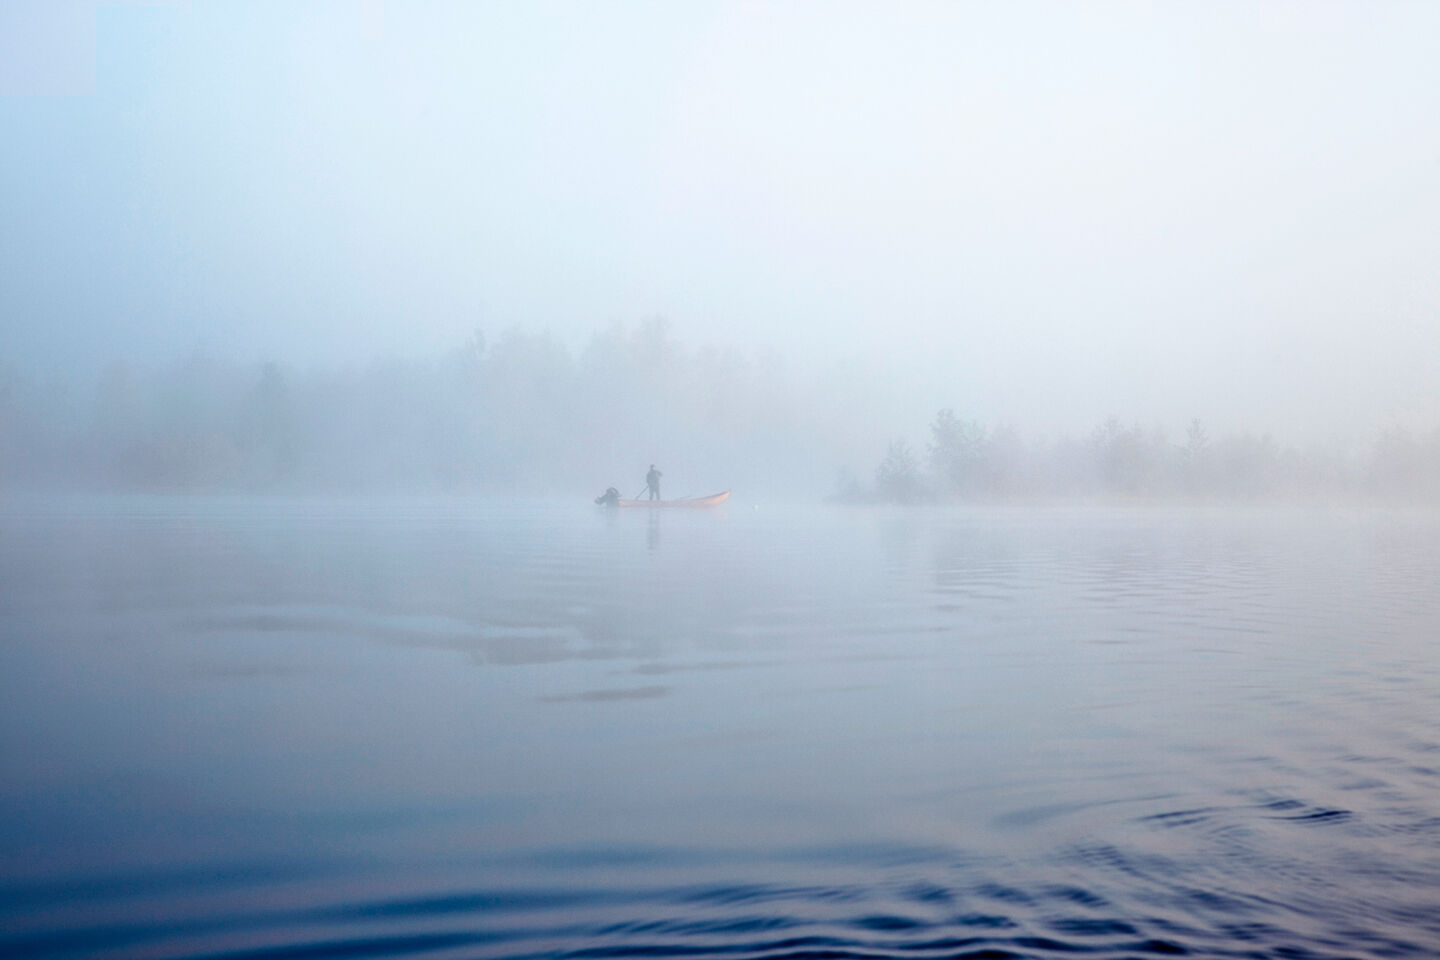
862, 250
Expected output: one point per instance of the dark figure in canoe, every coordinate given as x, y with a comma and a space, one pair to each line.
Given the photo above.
652, 482
610, 498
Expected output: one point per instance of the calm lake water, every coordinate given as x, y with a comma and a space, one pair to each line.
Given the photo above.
271, 729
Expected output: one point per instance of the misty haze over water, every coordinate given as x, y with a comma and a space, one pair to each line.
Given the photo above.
1069, 373
1041, 215
525, 415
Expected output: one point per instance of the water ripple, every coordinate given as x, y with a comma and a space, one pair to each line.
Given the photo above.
1110, 734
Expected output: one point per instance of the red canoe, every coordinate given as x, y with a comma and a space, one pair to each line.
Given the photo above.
714, 500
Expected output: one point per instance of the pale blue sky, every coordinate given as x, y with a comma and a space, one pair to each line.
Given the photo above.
1039, 213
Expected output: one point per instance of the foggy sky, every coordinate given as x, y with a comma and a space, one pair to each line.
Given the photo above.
1035, 213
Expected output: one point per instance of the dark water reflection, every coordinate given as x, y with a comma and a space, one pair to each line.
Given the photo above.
286, 729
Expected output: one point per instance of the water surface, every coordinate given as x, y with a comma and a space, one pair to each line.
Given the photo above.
272, 729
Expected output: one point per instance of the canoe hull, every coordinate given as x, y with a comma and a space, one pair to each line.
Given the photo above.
714, 500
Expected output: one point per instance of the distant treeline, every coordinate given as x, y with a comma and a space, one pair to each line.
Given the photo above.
965, 460
527, 414
521, 414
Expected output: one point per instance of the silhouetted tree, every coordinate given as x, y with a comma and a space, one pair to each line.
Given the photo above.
1128, 459
1405, 466
1195, 459
1247, 465
957, 452
897, 479
848, 489
268, 430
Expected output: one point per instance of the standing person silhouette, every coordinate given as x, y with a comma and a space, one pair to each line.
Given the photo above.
652, 482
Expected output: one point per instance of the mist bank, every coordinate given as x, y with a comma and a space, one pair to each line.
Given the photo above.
519, 413
965, 460
526, 414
